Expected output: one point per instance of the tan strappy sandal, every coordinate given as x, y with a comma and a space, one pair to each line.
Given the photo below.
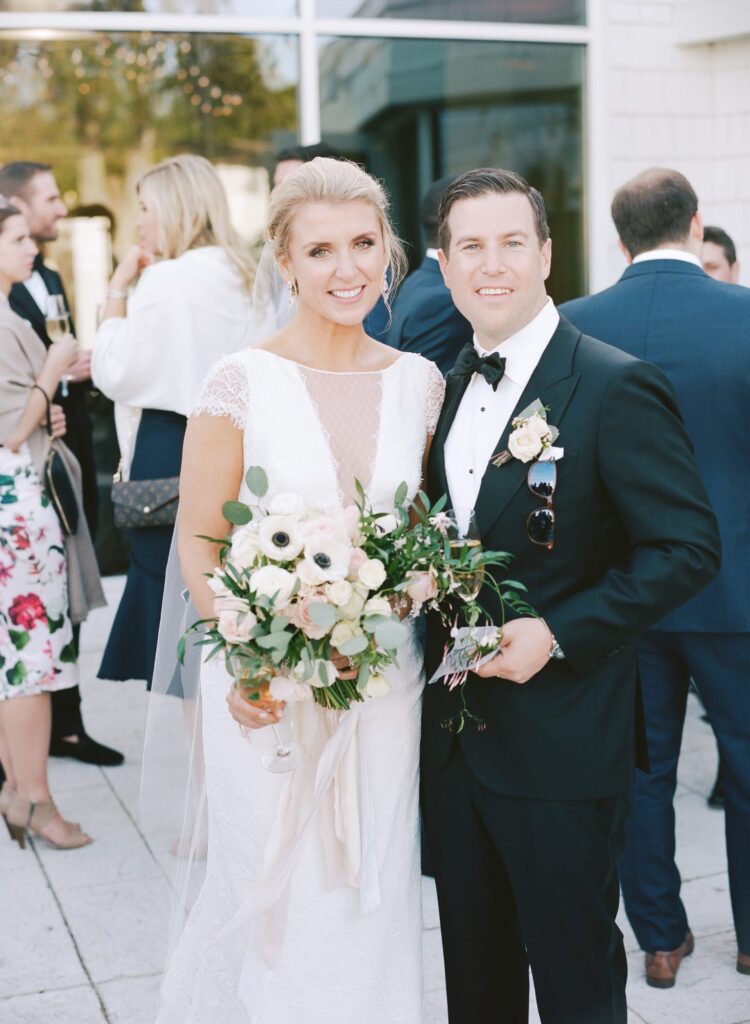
24, 816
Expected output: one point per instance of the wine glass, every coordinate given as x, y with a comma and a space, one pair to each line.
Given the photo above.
289, 754
463, 536
57, 324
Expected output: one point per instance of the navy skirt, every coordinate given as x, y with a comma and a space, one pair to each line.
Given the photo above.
131, 648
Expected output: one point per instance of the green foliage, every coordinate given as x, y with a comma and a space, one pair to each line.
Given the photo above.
257, 481
19, 638
236, 512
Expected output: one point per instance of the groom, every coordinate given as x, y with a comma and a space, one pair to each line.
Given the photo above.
525, 816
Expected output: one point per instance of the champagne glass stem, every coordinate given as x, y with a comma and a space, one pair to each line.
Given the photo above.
282, 750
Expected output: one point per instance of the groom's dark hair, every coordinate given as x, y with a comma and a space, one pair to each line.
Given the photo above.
482, 182
654, 208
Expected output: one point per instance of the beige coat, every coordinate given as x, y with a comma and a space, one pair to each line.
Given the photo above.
22, 357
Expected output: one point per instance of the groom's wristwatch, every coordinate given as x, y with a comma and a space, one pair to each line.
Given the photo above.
555, 650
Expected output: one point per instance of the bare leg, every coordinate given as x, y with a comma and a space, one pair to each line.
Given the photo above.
5, 759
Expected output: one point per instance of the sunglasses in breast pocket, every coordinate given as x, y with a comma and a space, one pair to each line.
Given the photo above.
540, 522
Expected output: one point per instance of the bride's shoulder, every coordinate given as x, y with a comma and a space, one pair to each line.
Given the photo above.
421, 369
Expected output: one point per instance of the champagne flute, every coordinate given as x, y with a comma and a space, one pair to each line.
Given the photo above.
57, 324
463, 536
289, 754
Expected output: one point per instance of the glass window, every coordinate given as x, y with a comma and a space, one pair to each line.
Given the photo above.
248, 8
101, 109
532, 12
415, 110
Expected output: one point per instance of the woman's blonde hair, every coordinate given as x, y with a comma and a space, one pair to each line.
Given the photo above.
192, 211
325, 180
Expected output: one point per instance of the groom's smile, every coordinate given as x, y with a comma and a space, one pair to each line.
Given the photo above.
495, 264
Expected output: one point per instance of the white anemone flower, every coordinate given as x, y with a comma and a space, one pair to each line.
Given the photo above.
327, 556
280, 538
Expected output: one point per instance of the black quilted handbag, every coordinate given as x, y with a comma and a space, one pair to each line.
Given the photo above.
139, 503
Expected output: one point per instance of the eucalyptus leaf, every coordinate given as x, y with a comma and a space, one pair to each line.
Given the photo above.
257, 481
322, 614
372, 622
323, 673
439, 504
391, 634
236, 512
279, 622
278, 641
355, 645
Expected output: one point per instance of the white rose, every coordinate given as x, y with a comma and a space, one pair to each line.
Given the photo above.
353, 607
323, 668
378, 606
524, 444
284, 688
538, 425
280, 538
344, 631
377, 685
272, 580
245, 547
339, 593
329, 555
219, 588
287, 504
386, 524
372, 573
235, 626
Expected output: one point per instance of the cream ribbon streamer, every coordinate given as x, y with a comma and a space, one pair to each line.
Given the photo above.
266, 907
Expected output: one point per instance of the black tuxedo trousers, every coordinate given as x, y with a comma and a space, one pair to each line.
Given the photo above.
524, 818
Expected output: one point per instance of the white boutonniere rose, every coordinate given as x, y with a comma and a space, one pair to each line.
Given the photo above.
532, 435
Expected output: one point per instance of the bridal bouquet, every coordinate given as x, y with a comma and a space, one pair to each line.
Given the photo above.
298, 586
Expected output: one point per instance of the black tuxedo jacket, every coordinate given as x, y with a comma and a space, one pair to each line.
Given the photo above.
425, 320
635, 537
78, 436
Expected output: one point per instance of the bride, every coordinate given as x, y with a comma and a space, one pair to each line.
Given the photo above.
310, 909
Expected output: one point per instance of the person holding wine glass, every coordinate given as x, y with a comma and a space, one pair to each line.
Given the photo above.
49, 578
190, 306
31, 187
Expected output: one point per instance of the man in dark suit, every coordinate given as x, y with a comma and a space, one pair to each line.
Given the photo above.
525, 816
666, 309
425, 319
32, 188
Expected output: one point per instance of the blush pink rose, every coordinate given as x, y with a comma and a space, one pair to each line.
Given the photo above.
300, 616
357, 560
423, 587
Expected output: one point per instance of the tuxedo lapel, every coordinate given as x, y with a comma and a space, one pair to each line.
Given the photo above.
22, 302
553, 383
455, 388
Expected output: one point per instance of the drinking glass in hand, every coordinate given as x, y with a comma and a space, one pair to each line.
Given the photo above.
57, 325
463, 536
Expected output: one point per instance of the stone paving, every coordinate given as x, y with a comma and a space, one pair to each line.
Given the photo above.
82, 932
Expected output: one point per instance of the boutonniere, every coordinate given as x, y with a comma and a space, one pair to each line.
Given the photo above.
532, 436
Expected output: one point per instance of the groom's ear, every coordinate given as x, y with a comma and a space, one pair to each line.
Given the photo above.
443, 262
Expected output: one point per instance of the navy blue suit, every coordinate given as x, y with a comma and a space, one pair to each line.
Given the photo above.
697, 331
425, 319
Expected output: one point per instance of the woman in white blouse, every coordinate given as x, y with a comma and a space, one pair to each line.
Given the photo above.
191, 306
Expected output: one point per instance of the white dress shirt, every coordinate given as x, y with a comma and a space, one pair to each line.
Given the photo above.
183, 316
38, 290
483, 413
667, 254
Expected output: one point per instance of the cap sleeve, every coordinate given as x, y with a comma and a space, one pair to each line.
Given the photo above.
224, 392
435, 395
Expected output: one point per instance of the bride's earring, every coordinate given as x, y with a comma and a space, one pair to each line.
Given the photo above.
291, 292
386, 284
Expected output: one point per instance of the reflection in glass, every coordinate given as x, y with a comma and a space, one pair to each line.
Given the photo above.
248, 8
533, 12
415, 110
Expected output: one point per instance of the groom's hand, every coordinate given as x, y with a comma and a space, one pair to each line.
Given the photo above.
524, 651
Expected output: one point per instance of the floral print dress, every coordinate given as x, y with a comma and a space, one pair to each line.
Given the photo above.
37, 651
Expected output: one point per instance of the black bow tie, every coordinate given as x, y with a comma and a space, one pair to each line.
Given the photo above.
491, 367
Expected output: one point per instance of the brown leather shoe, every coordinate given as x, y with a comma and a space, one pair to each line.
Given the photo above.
743, 963
662, 968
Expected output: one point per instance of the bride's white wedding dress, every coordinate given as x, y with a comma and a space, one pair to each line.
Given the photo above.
347, 927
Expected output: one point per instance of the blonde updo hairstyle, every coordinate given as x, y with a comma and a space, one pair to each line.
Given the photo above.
326, 180
192, 211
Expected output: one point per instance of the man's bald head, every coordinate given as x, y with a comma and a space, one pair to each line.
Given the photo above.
655, 209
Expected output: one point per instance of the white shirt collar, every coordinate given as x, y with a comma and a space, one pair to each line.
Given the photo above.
523, 350
431, 254
667, 254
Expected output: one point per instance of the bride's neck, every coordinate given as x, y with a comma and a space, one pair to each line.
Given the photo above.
325, 345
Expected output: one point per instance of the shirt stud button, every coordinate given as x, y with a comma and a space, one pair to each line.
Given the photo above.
482, 409
471, 470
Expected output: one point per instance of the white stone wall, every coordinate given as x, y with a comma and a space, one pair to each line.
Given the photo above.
660, 102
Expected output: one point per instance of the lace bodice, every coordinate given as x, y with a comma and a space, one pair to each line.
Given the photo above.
316, 432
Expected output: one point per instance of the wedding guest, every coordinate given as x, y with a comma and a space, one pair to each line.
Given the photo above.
425, 319
31, 188
191, 306
49, 580
666, 309
719, 256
